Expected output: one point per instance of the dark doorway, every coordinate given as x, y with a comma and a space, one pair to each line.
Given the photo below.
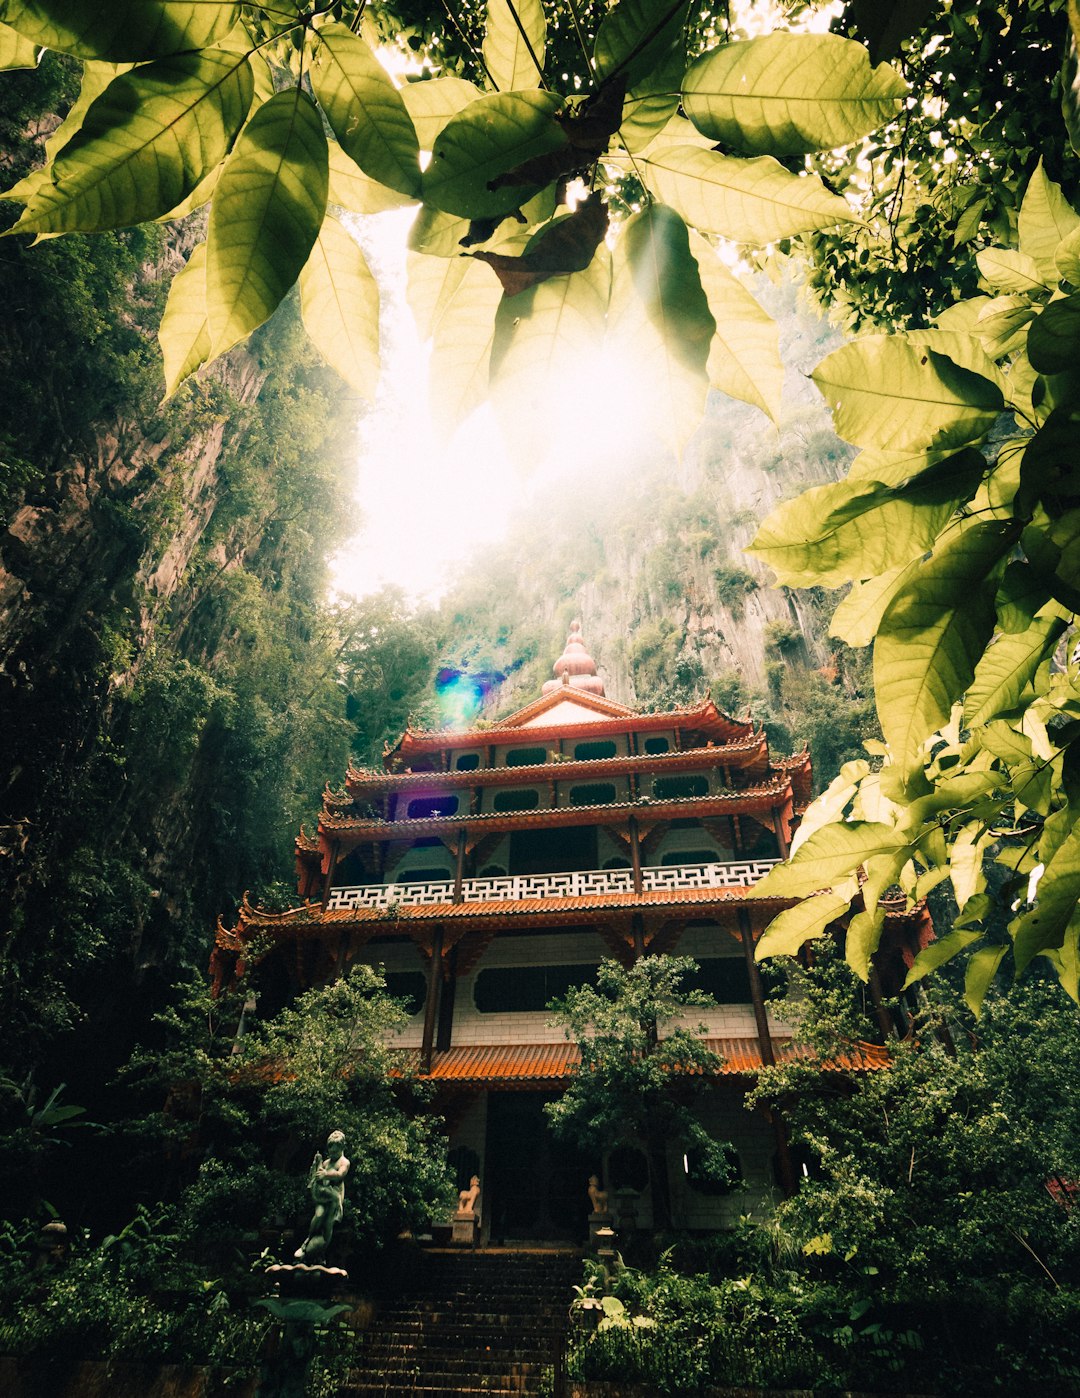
536, 1187
560, 851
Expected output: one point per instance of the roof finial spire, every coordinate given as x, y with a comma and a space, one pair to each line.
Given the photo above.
575, 667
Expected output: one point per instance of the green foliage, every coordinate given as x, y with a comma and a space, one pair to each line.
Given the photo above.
207, 124
629, 1087
969, 601
267, 1100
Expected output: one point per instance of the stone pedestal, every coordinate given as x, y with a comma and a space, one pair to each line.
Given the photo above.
596, 1223
465, 1227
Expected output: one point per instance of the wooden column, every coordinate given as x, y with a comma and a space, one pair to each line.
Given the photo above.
635, 853
785, 1166
459, 867
637, 927
778, 831
881, 1014
431, 1004
335, 850
446, 1004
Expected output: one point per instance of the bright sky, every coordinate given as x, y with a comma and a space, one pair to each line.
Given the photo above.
425, 505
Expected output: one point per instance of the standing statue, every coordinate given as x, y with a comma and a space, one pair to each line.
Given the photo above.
597, 1196
327, 1184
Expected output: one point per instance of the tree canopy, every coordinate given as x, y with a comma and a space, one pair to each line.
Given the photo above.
575, 176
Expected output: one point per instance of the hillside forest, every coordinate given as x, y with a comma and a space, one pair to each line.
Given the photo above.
178, 679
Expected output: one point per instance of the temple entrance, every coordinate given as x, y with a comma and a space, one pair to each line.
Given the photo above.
536, 1187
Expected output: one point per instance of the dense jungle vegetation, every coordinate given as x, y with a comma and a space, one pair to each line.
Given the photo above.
176, 685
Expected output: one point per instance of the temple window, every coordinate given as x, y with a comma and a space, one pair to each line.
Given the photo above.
593, 794
425, 875
526, 757
408, 986
594, 751
521, 989
655, 745
702, 1183
617, 863
425, 807
725, 978
690, 856
492, 871
516, 799
679, 788
467, 761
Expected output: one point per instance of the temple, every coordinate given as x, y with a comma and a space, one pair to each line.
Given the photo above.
491, 869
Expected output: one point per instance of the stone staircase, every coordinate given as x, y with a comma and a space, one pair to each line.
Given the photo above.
484, 1322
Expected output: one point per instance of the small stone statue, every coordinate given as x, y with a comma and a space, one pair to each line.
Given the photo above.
327, 1184
467, 1198
597, 1196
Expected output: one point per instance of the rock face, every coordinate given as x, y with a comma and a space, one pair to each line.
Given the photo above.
652, 560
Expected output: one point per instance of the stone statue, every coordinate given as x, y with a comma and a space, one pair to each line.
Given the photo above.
467, 1198
597, 1196
327, 1184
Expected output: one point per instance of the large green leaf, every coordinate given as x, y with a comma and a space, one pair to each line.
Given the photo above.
1005, 269
351, 189
749, 201
789, 94
365, 109
539, 329
933, 635
1056, 896
830, 854
795, 926
430, 285
981, 970
744, 357
1046, 220
144, 144
848, 531
887, 393
339, 302
431, 104
267, 212
666, 278
120, 30
937, 954
1007, 668
636, 38
514, 39
858, 616
490, 138
183, 334
15, 51
652, 102
668, 393
1053, 342
463, 331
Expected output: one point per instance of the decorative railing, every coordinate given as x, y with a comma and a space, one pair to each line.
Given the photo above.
516, 888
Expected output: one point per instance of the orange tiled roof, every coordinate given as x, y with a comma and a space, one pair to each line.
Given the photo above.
538, 1065
705, 716
751, 798
748, 753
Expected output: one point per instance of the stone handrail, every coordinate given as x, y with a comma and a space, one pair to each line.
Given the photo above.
515, 888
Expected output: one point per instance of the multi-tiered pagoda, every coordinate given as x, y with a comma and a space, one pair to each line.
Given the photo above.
491, 869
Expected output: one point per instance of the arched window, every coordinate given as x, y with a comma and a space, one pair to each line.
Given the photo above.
594, 751
492, 871
526, 757
425, 875
519, 989
467, 762
426, 806
678, 788
655, 745
410, 987
690, 856
516, 799
593, 794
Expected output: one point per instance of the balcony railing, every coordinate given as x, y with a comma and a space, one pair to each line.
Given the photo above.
516, 888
